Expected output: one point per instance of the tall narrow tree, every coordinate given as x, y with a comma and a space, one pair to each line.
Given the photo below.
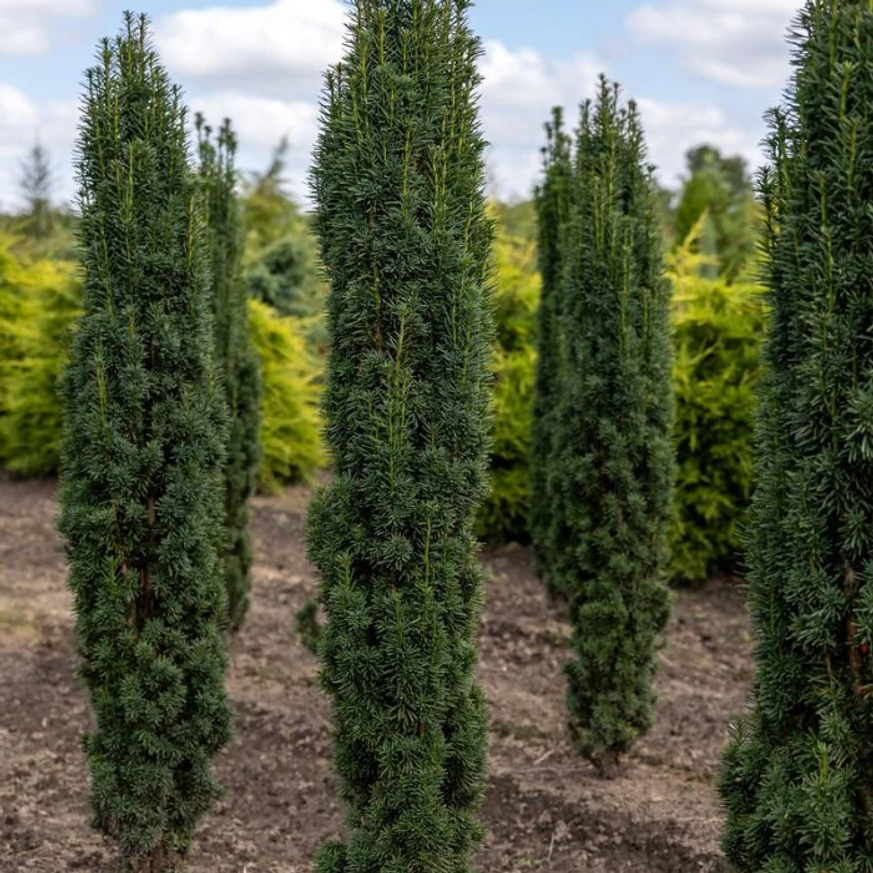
235, 357
552, 202
613, 461
142, 464
36, 188
798, 777
401, 217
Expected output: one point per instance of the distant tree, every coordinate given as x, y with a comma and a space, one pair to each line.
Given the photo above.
283, 276
722, 188
282, 268
142, 463
517, 220
235, 356
401, 217
612, 458
553, 203
797, 783
666, 200
268, 212
734, 169
36, 187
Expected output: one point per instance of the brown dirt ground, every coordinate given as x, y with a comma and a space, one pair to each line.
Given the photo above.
545, 810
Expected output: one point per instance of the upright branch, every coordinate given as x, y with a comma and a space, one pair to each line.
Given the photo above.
401, 218
552, 200
235, 356
798, 776
612, 461
142, 460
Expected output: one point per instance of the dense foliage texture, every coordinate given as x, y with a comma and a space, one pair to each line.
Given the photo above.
282, 276
504, 514
235, 357
405, 237
290, 420
717, 329
798, 777
39, 302
142, 463
720, 193
612, 461
552, 201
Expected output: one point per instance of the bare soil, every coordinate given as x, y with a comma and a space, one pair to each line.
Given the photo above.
546, 809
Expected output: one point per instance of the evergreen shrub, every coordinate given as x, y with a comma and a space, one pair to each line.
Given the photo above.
235, 356
405, 238
611, 464
553, 204
145, 426
291, 425
718, 331
797, 783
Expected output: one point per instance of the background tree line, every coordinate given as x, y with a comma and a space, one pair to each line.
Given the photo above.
710, 225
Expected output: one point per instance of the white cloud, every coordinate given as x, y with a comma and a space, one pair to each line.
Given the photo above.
280, 49
260, 122
26, 25
673, 128
53, 123
732, 42
518, 91
520, 88
262, 66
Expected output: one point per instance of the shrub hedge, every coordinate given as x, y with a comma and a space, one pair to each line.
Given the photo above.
718, 329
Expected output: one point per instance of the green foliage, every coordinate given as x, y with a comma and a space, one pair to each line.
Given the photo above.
281, 263
798, 773
720, 189
717, 338
281, 276
39, 302
290, 421
307, 625
142, 461
285, 276
268, 212
235, 358
553, 203
611, 464
517, 220
504, 514
38, 306
36, 186
406, 240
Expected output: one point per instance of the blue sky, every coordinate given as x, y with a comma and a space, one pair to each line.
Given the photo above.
702, 70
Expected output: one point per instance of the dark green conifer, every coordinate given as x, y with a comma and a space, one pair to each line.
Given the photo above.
236, 357
552, 201
613, 460
401, 217
798, 778
142, 459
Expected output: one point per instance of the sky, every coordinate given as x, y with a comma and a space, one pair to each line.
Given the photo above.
700, 71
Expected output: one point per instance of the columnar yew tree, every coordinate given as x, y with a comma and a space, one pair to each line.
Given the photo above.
235, 357
552, 202
145, 427
612, 462
398, 180
798, 777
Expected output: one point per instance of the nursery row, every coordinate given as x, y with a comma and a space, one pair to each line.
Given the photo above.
165, 411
